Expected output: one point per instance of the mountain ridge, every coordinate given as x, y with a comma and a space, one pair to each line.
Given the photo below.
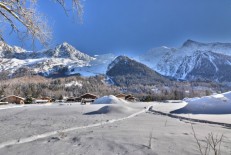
125, 71
64, 59
179, 62
192, 61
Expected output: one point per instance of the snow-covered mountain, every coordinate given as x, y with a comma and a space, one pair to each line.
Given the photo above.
192, 61
64, 59
124, 71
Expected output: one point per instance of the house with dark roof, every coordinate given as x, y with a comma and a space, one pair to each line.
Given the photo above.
88, 97
122, 96
13, 99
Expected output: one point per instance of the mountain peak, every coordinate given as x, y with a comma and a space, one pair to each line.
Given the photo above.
133, 72
65, 45
4, 46
2, 43
190, 42
122, 57
61, 60
119, 59
66, 50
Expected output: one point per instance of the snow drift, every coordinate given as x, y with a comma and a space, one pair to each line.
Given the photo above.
115, 106
109, 100
214, 104
112, 109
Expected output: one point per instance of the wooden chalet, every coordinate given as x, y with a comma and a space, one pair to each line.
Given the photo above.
126, 97
38, 101
13, 99
87, 98
46, 98
70, 99
122, 96
78, 99
42, 100
130, 98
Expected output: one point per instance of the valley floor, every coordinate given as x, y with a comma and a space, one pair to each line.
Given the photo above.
66, 129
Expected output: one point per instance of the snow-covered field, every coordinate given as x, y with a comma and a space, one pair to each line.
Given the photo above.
117, 128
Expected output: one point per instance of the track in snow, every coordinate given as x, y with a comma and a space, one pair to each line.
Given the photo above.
48, 134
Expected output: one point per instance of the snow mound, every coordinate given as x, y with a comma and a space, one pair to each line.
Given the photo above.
109, 100
214, 104
112, 109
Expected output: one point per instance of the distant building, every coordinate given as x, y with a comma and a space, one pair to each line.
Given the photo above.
78, 99
46, 98
42, 100
122, 96
13, 99
38, 101
83, 98
87, 98
70, 99
130, 98
127, 97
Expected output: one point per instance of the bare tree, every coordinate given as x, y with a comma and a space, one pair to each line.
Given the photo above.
212, 143
24, 19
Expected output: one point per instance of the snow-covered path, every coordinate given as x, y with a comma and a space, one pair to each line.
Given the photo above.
40, 136
67, 129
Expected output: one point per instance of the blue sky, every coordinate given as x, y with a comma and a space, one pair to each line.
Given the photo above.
135, 26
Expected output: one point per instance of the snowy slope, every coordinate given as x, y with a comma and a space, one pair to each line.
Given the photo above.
63, 60
192, 61
214, 104
97, 66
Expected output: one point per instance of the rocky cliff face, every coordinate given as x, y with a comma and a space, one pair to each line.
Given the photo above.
193, 61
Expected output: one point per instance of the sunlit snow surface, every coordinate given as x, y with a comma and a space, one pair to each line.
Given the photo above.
72, 128
214, 104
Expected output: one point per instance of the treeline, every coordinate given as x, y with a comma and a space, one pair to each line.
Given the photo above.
175, 90
37, 86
